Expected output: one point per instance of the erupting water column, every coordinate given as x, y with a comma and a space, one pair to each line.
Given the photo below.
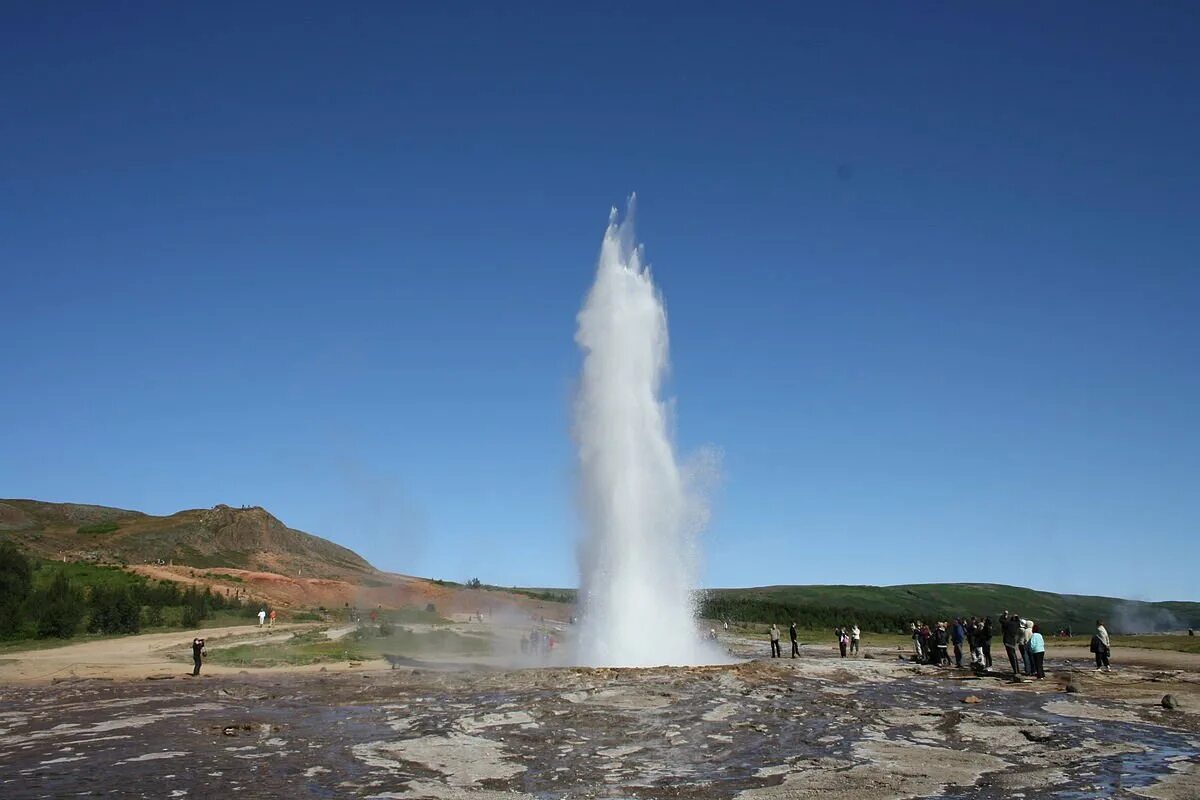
639, 559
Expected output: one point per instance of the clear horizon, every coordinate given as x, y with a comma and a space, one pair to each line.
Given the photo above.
931, 278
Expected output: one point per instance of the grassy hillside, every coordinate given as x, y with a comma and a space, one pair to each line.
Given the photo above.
245, 538
891, 607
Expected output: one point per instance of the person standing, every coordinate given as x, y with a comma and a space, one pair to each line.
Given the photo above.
1101, 646
1026, 635
855, 636
795, 643
977, 661
916, 637
942, 640
958, 635
986, 636
1037, 652
262, 617
197, 652
843, 640
1010, 629
271, 624
775, 650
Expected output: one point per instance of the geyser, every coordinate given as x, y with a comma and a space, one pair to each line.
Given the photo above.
639, 558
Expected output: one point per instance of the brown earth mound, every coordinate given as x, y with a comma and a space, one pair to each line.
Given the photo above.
242, 538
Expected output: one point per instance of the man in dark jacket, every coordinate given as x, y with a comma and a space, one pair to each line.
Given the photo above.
795, 645
197, 652
1010, 629
986, 636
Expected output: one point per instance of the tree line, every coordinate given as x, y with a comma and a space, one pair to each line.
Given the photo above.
806, 616
34, 604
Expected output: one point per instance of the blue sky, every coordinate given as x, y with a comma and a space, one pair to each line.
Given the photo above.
931, 273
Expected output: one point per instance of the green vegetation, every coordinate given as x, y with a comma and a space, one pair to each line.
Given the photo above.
365, 643
52, 600
1151, 641
545, 595
100, 527
891, 608
307, 647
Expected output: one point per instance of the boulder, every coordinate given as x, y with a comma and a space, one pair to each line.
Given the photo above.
1169, 702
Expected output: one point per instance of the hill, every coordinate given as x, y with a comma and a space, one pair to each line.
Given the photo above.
891, 607
243, 538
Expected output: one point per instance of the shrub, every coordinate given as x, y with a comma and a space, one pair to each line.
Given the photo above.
16, 582
61, 609
99, 527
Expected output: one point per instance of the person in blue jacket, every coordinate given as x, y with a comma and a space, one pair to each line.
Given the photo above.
958, 635
1037, 652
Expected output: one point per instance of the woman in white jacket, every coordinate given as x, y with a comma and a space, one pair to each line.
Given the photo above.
1101, 646
1026, 655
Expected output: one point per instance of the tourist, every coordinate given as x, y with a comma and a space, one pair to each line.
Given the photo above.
927, 649
1010, 629
795, 643
916, 637
262, 616
977, 658
1037, 652
987, 642
855, 636
843, 640
1101, 646
942, 640
1026, 635
958, 635
271, 623
775, 650
197, 651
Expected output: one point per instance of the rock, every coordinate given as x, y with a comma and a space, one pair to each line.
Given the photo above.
868, 655
971, 699
1037, 736
1072, 686
1169, 702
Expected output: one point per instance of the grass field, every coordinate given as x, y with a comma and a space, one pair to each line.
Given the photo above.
312, 647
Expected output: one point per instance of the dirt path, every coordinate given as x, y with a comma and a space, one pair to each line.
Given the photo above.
138, 656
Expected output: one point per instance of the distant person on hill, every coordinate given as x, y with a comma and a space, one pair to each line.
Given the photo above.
262, 616
958, 635
795, 643
986, 641
197, 652
271, 624
776, 652
1037, 652
855, 636
1010, 629
1101, 646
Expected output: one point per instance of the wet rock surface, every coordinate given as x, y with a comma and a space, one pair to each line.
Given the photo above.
799, 728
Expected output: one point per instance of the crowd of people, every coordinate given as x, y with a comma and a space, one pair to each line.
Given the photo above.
969, 637
1023, 642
